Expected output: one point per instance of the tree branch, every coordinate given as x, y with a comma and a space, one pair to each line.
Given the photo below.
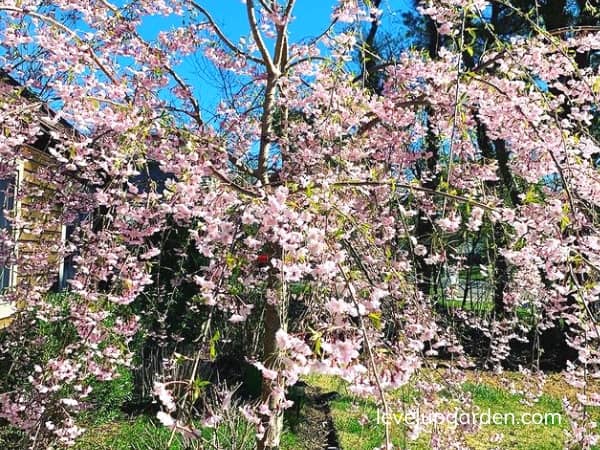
67, 30
260, 43
222, 35
391, 182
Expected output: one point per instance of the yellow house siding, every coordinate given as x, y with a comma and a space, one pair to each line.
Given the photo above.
43, 237
6, 311
38, 243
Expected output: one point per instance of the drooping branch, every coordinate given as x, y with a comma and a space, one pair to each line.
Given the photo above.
370, 355
54, 22
392, 182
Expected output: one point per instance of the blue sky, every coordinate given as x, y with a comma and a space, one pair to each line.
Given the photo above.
311, 18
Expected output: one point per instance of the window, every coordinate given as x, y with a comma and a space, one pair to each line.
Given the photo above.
67, 268
6, 204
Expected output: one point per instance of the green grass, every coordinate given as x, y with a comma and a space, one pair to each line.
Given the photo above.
145, 433
141, 433
290, 441
355, 420
517, 436
355, 433
482, 307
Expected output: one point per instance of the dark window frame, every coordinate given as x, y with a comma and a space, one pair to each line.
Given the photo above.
7, 202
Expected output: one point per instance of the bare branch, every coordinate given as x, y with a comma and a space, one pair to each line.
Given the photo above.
370, 354
197, 113
305, 59
281, 44
222, 35
260, 43
266, 5
235, 186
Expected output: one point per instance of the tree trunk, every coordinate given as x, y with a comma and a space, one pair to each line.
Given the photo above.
273, 423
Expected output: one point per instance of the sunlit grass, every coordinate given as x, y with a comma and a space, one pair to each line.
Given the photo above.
355, 419
137, 434
357, 427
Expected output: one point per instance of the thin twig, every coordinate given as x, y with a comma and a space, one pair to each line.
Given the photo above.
363, 328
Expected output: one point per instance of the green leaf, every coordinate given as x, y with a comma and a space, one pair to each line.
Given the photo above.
375, 318
318, 350
309, 190
213, 345
197, 387
230, 260
531, 196
564, 222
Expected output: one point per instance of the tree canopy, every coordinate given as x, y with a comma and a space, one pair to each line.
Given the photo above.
326, 208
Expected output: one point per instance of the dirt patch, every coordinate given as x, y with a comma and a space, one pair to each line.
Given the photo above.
310, 420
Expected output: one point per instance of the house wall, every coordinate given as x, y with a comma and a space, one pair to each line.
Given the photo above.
38, 243
42, 238
39, 239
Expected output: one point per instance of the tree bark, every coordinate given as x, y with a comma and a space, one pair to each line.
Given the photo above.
273, 423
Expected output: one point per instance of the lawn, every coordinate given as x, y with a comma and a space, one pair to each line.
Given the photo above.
355, 419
